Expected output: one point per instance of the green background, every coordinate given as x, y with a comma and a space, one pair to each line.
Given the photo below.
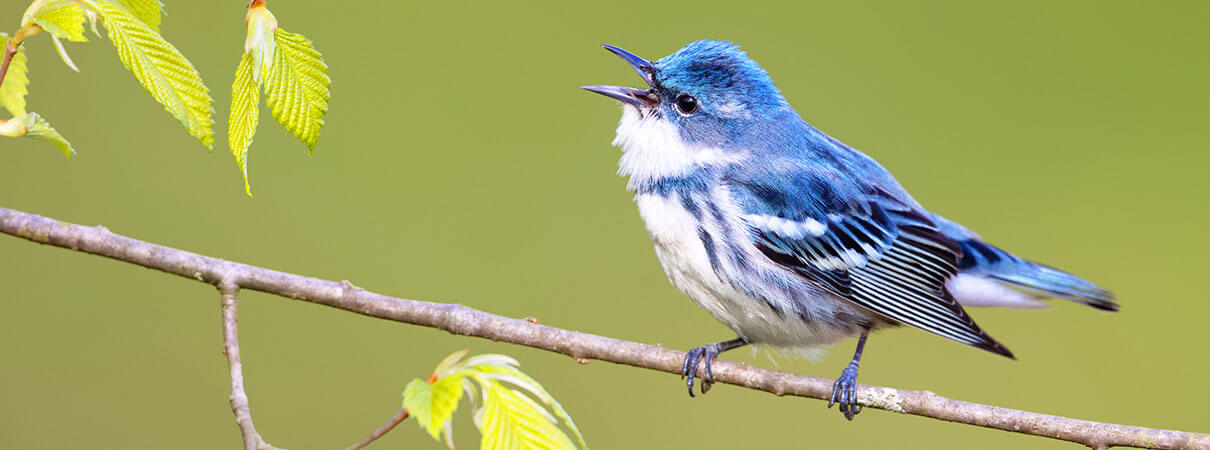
461, 163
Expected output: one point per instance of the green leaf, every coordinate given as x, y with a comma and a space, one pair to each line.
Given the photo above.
12, 93
446, 394
297, 87
418, 399
66, 22
150, 12
40, 7
490, 368
41, 130
511, 420
241, 124
32, 125
162, 69
433, 404
508, 418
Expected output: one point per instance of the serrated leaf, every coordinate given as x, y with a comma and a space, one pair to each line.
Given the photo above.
418, 399
150, 12
66, 22
502, 368
41, 130
446, 394
508, 418
162, 69
40, 7
16, 82
511, 420
32, 125
433, 404
297, 87
241, 124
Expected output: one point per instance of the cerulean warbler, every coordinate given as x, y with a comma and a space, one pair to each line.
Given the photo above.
791, 238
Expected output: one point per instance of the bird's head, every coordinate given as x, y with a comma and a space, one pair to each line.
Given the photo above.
710, 92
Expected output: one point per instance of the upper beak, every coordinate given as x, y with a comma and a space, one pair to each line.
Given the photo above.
632, 96
644, 67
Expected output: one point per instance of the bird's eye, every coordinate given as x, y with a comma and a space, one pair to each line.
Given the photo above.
686, 103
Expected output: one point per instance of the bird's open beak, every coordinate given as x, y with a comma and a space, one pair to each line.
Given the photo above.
629, 95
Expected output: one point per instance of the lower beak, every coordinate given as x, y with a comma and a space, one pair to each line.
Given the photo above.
627, 95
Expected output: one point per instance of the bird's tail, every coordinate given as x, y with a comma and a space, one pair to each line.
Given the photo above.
981, 258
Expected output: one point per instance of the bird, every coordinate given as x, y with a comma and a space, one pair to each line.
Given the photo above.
790, 238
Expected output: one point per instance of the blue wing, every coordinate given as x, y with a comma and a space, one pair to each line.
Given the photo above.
862, 243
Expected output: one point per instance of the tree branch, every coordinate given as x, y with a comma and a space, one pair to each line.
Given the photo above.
228, 291
458, 319
384, 429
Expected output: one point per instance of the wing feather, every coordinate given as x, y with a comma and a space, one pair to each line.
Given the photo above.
868, 247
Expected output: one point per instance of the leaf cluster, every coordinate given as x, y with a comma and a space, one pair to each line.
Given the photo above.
284, 66
293, 77
510, 409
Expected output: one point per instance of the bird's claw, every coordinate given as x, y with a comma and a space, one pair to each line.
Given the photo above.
689, 369
844, 392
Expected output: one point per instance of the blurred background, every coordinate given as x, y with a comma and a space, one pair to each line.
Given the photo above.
461, 163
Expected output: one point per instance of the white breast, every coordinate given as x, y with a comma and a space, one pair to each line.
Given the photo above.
676, 234
678, 245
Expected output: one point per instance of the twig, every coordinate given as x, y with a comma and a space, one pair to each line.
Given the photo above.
228, 291
458, 319
10, 50
384, 429
13, 44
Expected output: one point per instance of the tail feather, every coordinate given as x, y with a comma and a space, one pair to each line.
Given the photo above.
1056, 283
981, 258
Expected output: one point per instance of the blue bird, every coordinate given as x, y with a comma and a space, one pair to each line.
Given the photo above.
791, 238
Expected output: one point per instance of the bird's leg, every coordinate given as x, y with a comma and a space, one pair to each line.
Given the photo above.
706, 352
844, 391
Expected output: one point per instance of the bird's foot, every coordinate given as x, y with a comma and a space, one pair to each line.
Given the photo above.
705, 353
844, 392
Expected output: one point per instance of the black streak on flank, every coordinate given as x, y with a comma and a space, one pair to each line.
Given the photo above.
692, 207
708, 243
